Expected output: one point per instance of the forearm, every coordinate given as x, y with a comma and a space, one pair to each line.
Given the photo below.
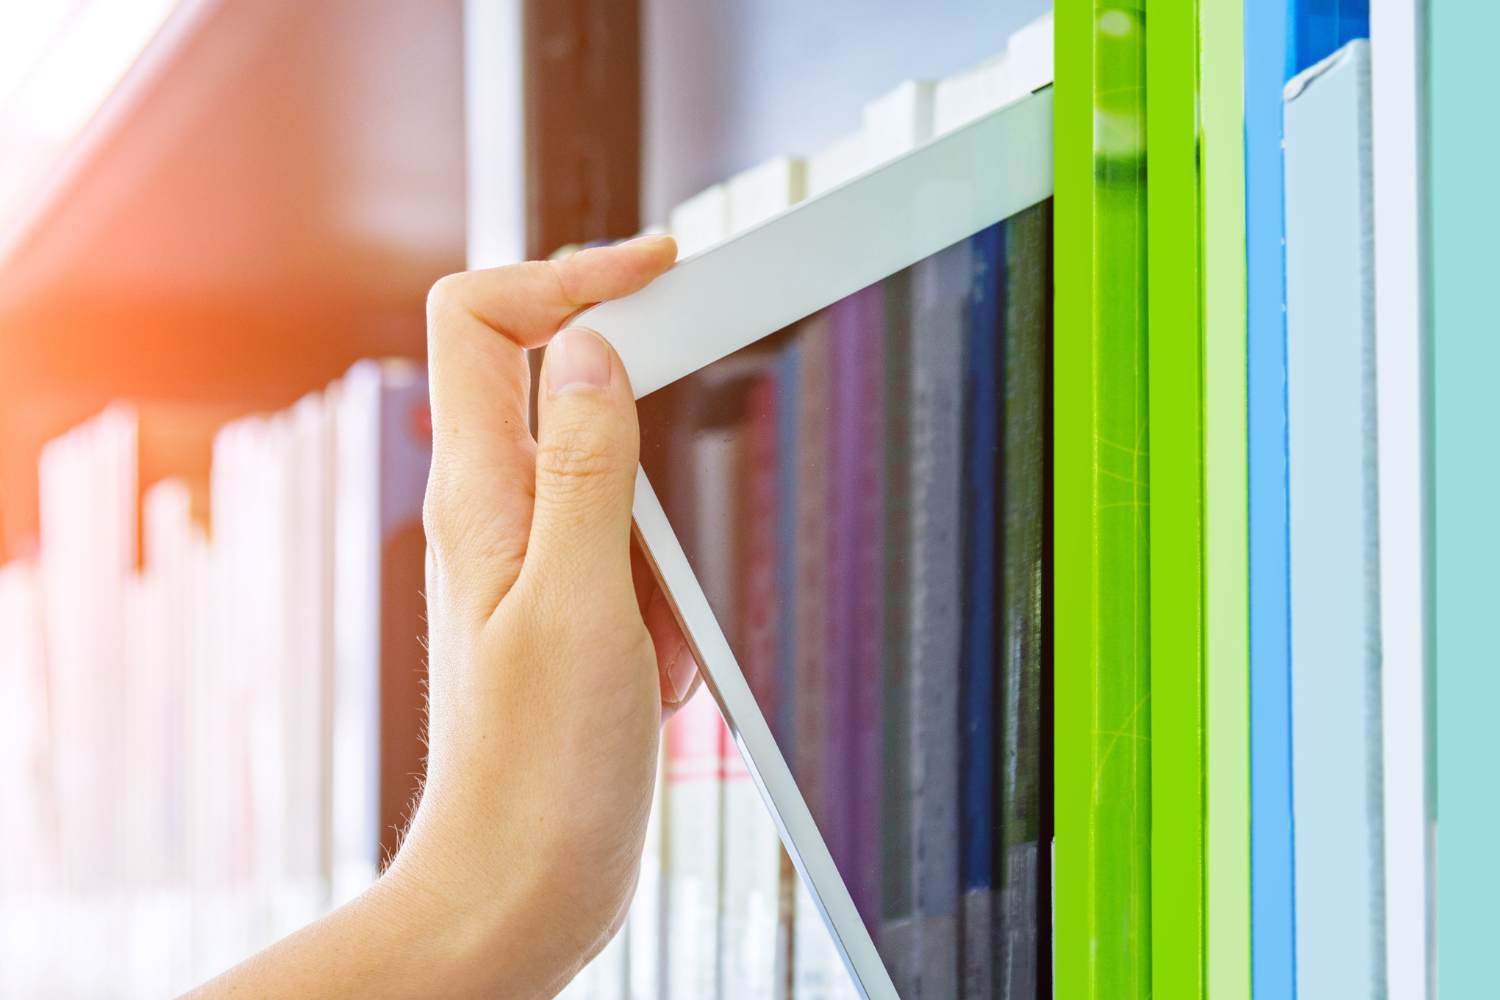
405, 936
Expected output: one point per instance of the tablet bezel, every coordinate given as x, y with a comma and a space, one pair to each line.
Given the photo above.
716, 302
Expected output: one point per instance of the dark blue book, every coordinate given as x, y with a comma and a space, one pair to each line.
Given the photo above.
980, 552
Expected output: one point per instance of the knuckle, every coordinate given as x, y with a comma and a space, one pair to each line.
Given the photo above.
445, 295
443, 518
578, 456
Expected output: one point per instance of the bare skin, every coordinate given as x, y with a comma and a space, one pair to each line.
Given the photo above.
553, 660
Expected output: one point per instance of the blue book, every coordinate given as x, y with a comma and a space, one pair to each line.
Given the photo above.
1272, 913
980, 555
1336, 703
1316, 28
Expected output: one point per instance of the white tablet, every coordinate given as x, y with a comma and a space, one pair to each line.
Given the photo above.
843, 454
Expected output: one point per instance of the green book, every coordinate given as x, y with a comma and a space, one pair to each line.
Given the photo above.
1100, 597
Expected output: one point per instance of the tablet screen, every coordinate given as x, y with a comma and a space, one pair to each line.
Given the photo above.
863, 497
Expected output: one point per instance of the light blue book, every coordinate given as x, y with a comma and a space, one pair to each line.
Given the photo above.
1271, 882
1464, 220
1336, 753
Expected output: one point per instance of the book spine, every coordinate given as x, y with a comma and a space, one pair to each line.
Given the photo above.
941, 288
356, 610
893, 125
897, 938
1398, 79
647, 942
1273, 917
747, 948
748, 955
1022, 919
693, 814
404, 457
812, 709
980, 603
854, 596
818, 970
1337, 779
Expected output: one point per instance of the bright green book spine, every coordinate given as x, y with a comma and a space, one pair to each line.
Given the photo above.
1225, 493
1102, 749
1175, 359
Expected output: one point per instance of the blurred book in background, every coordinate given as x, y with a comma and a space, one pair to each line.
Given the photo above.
211, 731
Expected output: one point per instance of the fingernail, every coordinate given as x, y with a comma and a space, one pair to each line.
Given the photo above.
681, 671
577, 359
649, 239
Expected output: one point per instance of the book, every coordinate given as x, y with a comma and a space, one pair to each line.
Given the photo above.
733, 471
30, 865
940, 287
897, 937
382, 452
749, 952
701, 221
693, 814
88, 490
892, 125
836, 163
963, 97
1461, 221
1272, 913
1101, 558
1398, 84
898, 121
818, 972
646, 938
757, 194
1022, 772
1226, 571
1336, 749
980, 604
855, 615
1028, 54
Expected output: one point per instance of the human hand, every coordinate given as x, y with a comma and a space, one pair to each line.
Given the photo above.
547, 684
551, 655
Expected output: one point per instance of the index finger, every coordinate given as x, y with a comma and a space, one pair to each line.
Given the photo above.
478, 325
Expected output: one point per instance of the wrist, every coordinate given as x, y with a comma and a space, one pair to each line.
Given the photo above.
482, 927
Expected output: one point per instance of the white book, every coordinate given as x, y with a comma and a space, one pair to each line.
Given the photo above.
898, 121
87, 487
609, 972
701, 221
356, 696
818, 971
748, 949
761, 192
29, 862
694, 841
382, 454
1397, 76
644, 924
306, 595
963, 97
1029, 56
839, 161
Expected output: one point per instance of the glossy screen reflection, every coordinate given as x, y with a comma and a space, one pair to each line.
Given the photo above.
863, 498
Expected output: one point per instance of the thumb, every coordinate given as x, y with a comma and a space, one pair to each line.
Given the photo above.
588, 444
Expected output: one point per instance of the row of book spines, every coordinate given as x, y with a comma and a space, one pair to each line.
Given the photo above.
721, 911
898, 121
148, 696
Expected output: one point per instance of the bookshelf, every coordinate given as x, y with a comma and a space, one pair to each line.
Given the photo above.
187, 310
